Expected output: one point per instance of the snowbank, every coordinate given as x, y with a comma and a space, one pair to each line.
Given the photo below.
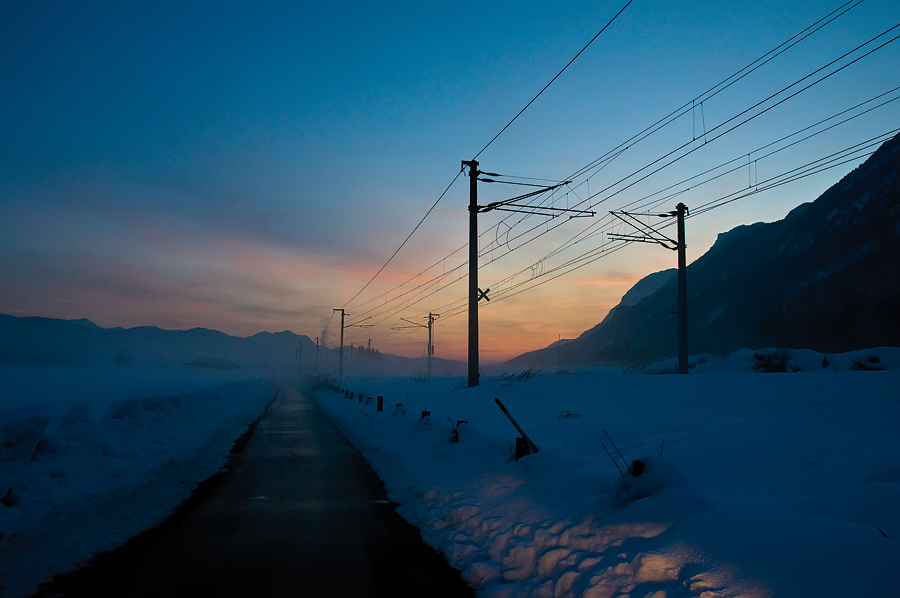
774, 360
768, 484
91, 456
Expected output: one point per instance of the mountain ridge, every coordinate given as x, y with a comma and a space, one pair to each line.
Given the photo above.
80, 342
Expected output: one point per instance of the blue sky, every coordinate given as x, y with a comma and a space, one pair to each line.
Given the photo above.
250, 167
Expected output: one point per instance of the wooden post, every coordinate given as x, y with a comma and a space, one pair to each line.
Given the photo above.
530, 445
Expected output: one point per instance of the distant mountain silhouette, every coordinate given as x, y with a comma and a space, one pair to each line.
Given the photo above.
35, 340
81, 342
825, 277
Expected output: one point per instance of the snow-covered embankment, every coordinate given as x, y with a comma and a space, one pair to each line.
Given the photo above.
769, 484
91, 456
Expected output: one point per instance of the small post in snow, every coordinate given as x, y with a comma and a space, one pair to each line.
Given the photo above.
524, 445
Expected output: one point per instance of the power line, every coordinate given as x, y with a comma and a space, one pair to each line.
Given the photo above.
718, 167
849, 154
459, 304
588, 257
612, 154
740, 74
434, 205
742, 123
434, 283
485, 147
551, 81
724, 84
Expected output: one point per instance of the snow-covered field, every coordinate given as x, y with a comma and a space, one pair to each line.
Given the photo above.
768, 484
90, 456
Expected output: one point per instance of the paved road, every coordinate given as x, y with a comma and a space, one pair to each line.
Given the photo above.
300, 515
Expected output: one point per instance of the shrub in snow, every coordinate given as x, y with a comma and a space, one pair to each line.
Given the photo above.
772, 363
657, 476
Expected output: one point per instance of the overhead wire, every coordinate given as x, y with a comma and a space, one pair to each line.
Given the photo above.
724, 84
849, 154
494, 138
615, 152
393, 255
749, 119
590, 196
494, 258
380, 270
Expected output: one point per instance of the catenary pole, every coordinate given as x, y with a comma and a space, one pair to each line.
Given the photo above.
431, 318
341, 351
650, 234
681, 209
473, 271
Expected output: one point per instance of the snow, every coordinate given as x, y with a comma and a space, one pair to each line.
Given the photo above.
91, 456
778, 484
756, 484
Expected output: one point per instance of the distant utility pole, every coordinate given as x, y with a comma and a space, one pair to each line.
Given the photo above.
507, 205
317, 355
430, 325
341, 351
650, 234
431, 318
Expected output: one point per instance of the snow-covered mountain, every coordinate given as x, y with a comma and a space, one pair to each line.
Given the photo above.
825, 278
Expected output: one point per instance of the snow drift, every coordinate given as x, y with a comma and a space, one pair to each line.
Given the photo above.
756, 485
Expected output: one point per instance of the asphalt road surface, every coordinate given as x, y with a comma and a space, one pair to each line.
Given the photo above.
300, 514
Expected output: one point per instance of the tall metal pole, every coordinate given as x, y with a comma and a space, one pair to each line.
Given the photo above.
650, 234
341, 352
682, 294
430, 345
473, 271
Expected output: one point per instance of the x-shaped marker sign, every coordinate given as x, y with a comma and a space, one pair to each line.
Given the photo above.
483, 294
